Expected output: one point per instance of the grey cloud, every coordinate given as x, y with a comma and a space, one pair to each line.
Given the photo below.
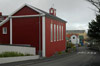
76, 12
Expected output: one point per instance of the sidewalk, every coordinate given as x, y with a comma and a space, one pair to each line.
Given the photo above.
55, 57
16, 59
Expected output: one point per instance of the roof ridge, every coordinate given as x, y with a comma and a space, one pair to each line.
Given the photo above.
34, 8
46, 12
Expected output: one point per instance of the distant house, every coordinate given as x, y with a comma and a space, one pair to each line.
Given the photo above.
37, 28
2, 17
81, 34
73, 38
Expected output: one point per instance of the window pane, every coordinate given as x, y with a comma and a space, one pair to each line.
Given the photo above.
62, 32
54, 32
51, 32
4, 30
57, 32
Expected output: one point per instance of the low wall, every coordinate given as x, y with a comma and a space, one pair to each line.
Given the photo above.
16, 59
21, 49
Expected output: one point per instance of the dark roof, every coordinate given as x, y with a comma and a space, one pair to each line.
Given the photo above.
75, 31
49, 15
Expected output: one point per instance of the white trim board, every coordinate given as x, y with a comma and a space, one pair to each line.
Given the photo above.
10, 15
43, 37
11, 31
3, 22
33, 8
24, 16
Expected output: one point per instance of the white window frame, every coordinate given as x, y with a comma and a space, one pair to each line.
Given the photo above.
51, 35
57, 33
54, 32
4, 30
62, 32
51, 11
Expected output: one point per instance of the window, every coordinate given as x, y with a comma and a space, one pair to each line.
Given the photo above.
51, 33
4, 30
57, 32
73, 37
51, 11
62, 32
54, 32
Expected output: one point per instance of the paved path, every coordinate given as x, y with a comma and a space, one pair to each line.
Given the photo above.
83, 57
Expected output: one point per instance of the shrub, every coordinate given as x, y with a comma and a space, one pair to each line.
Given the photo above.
66, 50
70, 45
13, 54
74, 48
59, 52
79, 45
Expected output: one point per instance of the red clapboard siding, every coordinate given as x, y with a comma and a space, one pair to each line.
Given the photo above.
53, 47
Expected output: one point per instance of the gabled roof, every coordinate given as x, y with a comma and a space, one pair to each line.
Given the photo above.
69, 35
47, 14
36, 9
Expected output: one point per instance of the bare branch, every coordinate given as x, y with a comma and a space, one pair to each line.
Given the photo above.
96, 3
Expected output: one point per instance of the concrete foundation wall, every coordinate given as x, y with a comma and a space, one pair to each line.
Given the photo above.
21, 49
16, 59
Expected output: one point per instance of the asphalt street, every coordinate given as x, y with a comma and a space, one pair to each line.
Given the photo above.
83, 57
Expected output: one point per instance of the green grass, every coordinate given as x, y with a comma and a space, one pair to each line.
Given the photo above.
13, 54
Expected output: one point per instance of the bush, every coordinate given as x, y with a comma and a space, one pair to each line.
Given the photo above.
66, 50
74, 48
13, 54
59, 52
79, 45
70, 45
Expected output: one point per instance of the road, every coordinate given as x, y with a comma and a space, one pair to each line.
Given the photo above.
83, 57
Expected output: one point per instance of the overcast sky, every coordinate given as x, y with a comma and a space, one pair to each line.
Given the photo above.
76, 12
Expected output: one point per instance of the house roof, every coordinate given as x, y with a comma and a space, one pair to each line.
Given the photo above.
75, 31
47, 14
69, 35
36, 9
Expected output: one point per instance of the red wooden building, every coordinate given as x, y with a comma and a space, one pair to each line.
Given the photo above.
37, 28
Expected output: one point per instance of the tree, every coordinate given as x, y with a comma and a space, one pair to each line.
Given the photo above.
95, 3
94, 28
94, 25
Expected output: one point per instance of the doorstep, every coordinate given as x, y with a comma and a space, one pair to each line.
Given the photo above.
16, 59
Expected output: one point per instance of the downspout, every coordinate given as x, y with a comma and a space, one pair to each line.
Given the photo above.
40, 52
10, 30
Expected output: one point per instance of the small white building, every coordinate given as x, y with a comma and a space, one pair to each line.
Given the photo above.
74, 39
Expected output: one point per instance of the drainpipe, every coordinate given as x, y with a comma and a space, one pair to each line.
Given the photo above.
10, 30
40, 52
